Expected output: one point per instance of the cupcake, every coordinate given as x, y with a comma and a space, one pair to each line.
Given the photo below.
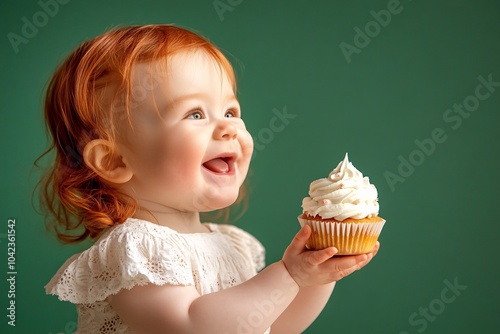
342, 211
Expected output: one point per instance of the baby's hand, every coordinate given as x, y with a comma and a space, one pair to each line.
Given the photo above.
314, 267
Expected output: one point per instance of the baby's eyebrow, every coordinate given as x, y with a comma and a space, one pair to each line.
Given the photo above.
168, 103
187, 97
182, 98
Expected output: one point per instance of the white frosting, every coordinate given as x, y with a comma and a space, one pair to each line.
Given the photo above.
344, 194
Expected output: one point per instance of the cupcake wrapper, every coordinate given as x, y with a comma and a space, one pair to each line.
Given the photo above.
348, 238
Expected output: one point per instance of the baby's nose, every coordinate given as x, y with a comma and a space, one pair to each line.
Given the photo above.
225, 130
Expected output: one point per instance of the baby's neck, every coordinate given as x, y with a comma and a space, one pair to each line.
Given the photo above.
182, 222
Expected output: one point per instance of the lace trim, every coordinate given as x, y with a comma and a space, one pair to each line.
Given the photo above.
138, 252
119, 262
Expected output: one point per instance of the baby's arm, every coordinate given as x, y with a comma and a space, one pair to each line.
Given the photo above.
251, 307
311, 300
180, 309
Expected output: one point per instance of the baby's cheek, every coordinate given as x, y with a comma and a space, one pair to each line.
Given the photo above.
182, 162
246, 143
153, 156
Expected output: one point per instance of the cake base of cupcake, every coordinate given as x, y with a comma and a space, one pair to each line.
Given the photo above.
350, 236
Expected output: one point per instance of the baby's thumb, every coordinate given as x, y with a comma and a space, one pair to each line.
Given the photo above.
299, 241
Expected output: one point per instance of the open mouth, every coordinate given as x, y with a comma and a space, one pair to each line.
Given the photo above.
220, 165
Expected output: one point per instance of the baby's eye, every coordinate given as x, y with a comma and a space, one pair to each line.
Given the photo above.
195, 115
231, 113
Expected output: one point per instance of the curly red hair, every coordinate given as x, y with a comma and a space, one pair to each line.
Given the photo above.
81, 204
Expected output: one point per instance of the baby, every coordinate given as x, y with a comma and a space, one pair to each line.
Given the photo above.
148, 134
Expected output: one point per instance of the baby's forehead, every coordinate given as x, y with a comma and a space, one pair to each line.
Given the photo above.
183, 62
180, 73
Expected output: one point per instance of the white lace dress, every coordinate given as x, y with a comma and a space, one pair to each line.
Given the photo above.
139, 252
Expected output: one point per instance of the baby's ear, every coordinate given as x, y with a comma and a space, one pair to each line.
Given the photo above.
100, 156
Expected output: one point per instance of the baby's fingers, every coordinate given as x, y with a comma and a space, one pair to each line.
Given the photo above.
341, 267
298, 243
317, 257
370, 255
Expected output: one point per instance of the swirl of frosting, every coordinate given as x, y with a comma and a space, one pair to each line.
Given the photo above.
344, 194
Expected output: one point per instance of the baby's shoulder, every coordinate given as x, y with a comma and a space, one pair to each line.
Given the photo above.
134, 226
233, 232
132, 253
243, 242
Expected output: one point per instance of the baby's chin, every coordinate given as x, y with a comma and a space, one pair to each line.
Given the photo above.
214, 204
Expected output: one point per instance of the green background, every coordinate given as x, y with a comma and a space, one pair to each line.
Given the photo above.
442, 221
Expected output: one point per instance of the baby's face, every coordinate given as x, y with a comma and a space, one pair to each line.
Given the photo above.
189, 149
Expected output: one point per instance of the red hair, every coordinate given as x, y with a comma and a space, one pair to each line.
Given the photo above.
80, 204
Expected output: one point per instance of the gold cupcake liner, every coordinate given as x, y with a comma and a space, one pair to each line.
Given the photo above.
348, 238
